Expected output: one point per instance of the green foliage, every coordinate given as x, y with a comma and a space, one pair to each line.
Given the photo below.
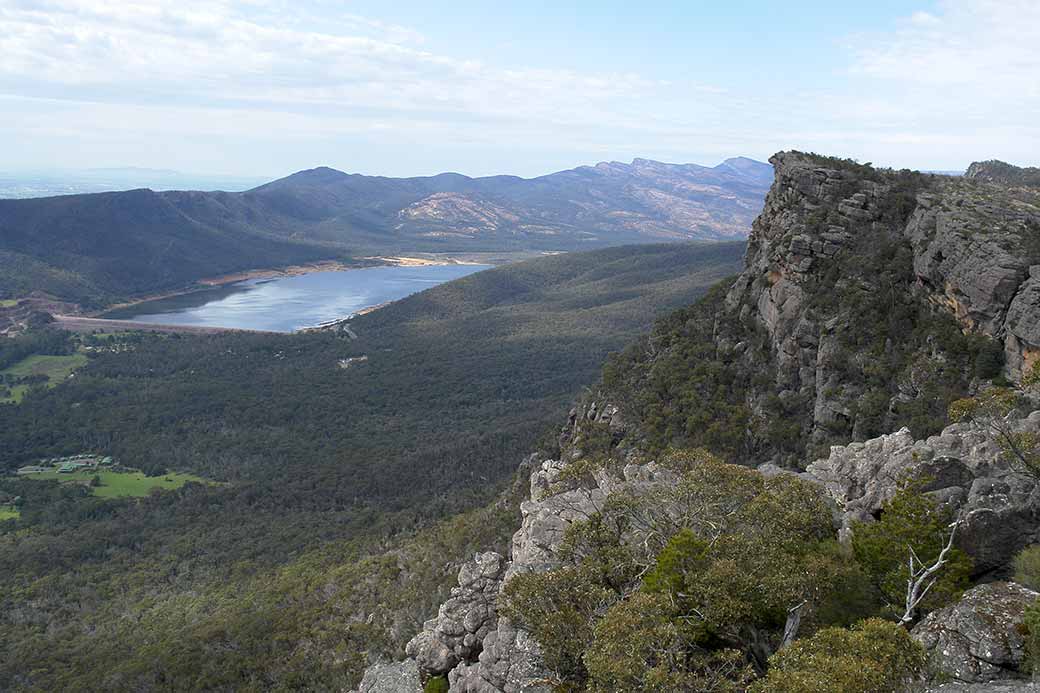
124, 483
1031, 627
724, 554
874, 656
989, 362
748, 557
436, 684
1027, 567
909, 520
560, 609
640, 645
682, 391
684, 555
34, 343
324, 548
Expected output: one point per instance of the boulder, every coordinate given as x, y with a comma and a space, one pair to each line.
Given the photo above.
394, 677
978, 638
961, 466
462, 622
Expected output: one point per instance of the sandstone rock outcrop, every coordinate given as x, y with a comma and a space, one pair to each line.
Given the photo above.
395, 677
978, 638
462, 623
974, 254
970, 248
1000, 507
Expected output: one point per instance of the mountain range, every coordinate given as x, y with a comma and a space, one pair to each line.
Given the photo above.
97, 248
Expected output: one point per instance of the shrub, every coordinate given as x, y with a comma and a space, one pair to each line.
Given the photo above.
874, 656
990, 360
1031, 628
909, 521
639, 645
436, 684
559, 608
1027, 567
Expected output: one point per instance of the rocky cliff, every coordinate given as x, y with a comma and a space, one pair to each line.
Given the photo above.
869, 301
833, 240
973, 641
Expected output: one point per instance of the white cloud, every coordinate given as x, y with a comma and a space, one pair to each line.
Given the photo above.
213, 50
982, 46
943, 87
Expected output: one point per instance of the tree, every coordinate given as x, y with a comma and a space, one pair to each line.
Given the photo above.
560, 609
909, 554
993, 412
874, 656
672, 583
1027, 567
640, 645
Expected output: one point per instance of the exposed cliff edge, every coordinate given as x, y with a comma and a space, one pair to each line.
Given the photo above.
480, 652
829, 237
869, 301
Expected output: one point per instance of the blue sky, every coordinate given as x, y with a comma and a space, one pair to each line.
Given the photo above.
266, 87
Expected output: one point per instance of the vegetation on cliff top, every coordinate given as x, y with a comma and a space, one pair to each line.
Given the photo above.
701, 583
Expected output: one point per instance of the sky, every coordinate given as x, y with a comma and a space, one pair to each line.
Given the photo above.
409, 87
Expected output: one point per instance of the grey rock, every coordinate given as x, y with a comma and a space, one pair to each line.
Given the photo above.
1016, 686
978, 638
1000, 507
1022, 337
463, 621
396, 677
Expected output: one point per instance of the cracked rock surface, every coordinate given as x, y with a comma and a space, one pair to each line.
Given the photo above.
1000, 507
978, 638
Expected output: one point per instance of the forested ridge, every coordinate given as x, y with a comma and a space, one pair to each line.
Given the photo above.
99, 249
326, 474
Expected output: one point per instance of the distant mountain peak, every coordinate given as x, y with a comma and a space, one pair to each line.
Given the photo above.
322, 175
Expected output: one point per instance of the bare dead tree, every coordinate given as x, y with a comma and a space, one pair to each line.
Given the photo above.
794, 622
923, 577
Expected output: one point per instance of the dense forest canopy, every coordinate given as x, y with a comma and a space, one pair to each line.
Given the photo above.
319, 465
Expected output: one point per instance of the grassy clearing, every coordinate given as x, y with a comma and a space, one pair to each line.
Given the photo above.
56, 368
8, 513
8, 302
122, 484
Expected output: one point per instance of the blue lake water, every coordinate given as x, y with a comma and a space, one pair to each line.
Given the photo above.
286, 304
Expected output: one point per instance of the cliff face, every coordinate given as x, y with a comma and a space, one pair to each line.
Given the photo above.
973, 248
818, 223
869, 300
976, 247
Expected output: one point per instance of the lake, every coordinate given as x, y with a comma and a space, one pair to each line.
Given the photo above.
286, 304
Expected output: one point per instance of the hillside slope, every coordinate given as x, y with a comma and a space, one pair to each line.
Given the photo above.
103, 247
333, 476
869, 301
93, 248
